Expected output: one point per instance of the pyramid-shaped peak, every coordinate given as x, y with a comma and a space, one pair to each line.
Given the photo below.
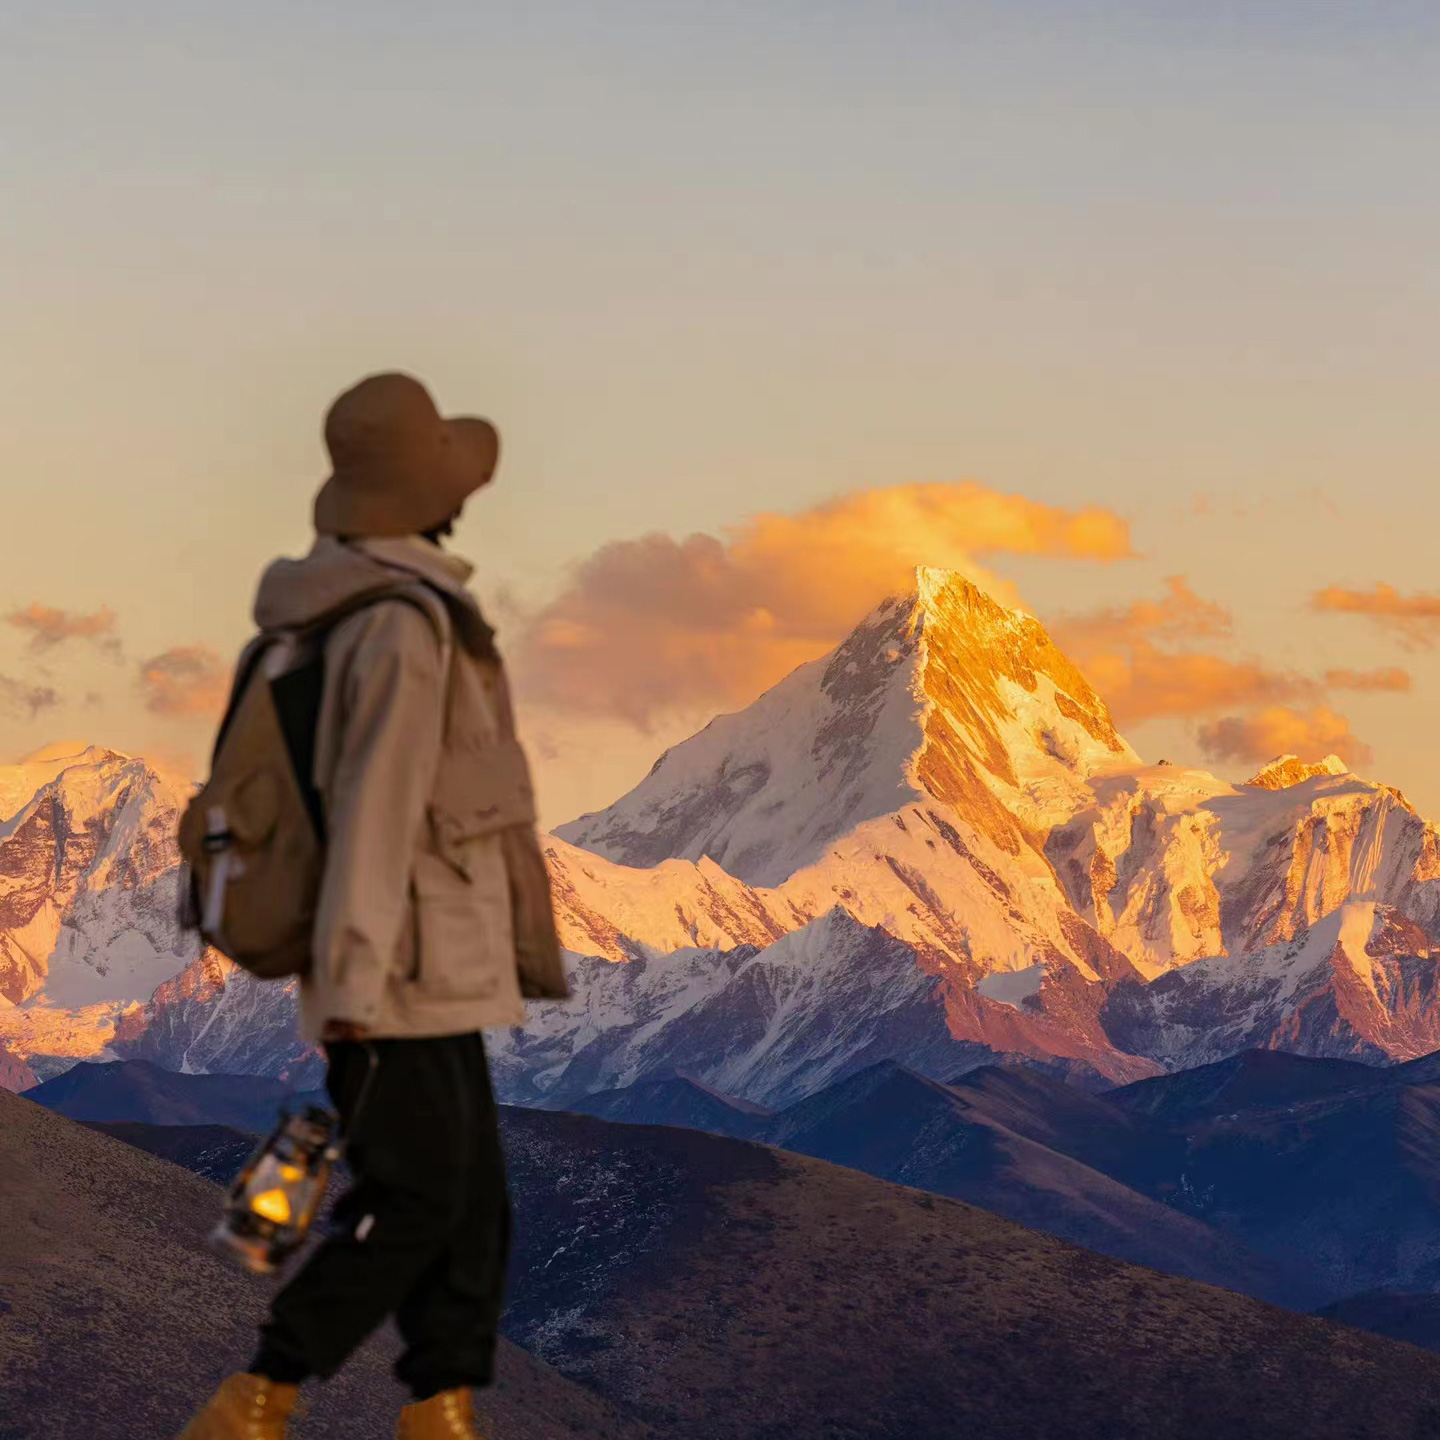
951, 593
89, 781
974, 642
21, 782
942, 695
932, 581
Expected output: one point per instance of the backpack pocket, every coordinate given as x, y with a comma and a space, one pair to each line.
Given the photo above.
251, 846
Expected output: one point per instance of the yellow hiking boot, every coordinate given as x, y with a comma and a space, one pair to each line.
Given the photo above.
449, 1415
247, 1407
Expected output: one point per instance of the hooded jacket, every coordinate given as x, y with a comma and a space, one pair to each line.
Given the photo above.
434, 914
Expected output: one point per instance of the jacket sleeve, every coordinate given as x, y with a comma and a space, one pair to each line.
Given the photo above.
390, 714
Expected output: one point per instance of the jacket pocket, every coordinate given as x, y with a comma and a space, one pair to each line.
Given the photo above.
464, 923
480, 792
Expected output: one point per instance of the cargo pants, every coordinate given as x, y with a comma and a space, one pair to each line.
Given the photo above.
423, 1233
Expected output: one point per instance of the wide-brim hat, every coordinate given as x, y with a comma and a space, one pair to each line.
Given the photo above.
399, 467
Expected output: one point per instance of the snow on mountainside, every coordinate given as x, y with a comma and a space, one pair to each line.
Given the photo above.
215, 1018
1172, 865
763, 1025
1361, 983
929, 846
87, 880
1027, 855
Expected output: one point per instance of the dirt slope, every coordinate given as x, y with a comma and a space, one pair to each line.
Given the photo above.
115, 1321
732, 1292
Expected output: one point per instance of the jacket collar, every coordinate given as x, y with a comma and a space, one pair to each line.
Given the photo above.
444, 571
414, 553
294, 593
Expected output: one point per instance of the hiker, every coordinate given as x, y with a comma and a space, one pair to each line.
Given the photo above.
433, 918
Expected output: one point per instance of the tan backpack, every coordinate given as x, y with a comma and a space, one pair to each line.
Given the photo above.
253, 837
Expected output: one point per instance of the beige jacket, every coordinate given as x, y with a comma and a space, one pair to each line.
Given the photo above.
434, 913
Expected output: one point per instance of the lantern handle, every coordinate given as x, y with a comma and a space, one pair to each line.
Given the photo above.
366, 1085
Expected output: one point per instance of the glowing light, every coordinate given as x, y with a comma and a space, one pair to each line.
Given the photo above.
273, 1205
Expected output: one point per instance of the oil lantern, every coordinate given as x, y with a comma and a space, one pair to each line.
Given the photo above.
274, 1199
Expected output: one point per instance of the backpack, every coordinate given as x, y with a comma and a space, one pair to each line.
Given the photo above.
253, 837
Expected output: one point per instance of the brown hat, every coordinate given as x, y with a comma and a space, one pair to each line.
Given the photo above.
399, 467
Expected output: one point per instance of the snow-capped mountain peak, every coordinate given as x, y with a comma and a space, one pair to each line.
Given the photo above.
942, 694
20, 782
1287, 770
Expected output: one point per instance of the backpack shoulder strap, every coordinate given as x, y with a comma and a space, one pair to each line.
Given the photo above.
417, 594
424, 598
245, 668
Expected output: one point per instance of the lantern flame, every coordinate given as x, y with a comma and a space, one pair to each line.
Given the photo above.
273, 1205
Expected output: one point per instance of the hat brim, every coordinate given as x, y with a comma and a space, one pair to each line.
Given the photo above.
412, 505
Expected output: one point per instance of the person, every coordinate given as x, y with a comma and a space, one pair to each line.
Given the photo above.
433, 921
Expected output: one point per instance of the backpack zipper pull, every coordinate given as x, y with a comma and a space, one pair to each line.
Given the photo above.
218, 842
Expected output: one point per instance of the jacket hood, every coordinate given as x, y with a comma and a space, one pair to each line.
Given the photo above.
297, 593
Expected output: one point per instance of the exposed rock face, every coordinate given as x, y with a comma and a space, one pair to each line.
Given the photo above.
768, 1025
15, 1074
1362, 983
1289, 770
1175, 866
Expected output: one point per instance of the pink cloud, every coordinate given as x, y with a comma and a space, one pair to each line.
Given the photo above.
1391, 680
186, 680
49, 627
1279, 730
1128, 653
19, 698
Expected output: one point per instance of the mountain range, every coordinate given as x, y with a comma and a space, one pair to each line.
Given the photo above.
1304, 1181
930, 846
137, 1091
1309, 1183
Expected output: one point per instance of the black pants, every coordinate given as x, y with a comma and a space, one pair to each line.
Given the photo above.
423, 1234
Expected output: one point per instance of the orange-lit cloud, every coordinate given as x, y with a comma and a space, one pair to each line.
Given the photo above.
187, 680
49, 627
657, 624
1140, 658
1414, 619
1391, 680
19, 698
1128, 654
1148, 683
1279, 730
1180, 614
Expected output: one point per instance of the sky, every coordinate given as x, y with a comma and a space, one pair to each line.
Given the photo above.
1130, 307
